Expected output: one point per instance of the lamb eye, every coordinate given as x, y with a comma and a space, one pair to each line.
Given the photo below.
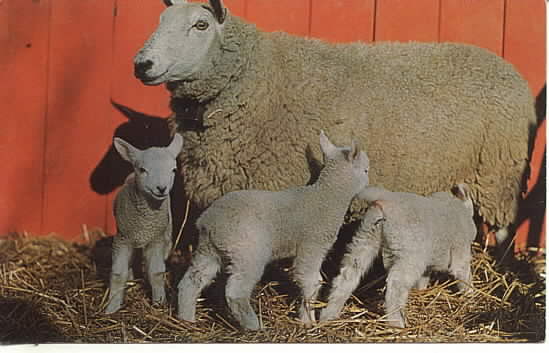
202, 25
174, 170
142, 170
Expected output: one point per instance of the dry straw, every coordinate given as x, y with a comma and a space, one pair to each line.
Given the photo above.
54, 291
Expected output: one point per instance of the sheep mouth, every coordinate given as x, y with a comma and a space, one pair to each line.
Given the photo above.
159, 197
154, 80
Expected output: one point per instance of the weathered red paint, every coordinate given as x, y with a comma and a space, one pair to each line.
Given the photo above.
474, 22
397, 20
291, 16
343, 20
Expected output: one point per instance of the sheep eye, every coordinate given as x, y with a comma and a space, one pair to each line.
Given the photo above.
201, 25
142, 170
174, 170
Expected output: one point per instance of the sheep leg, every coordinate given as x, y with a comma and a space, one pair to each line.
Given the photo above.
461, 270
240, 285
360, 255
310, 284
202, 272
121, 256
156, 268
401, 278
307, 266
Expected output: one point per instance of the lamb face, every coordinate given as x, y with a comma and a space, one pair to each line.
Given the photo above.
182, 44
154, 168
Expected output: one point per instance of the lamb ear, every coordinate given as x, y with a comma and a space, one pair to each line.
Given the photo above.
354, 153
126, 151
220, 11
175, 146
461, 191
327, 147
174, 2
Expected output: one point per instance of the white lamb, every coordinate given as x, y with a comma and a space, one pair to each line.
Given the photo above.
416, 235
245, 230
143, 217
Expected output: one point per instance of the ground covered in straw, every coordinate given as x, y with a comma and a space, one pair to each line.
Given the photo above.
54, 291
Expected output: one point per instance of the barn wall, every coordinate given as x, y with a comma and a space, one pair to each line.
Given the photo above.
64, 61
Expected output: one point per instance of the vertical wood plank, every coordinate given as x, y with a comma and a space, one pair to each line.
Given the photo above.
78, 112
4, 23
8, 124
475, 22
24, 77
525, 41
343, 20
403, 20
290, 16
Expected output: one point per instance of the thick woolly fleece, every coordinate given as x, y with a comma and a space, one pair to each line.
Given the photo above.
429, 115
245, 230
416, 235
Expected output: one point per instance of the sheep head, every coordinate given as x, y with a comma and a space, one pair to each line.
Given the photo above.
184, 42
154, 168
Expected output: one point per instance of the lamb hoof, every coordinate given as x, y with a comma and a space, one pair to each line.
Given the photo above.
186, 317
397, 320
112, 307
327, 315
251, 324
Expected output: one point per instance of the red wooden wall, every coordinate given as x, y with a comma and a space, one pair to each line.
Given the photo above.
63, 61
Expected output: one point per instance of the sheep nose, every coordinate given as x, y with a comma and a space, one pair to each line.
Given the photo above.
161, 189
141, 68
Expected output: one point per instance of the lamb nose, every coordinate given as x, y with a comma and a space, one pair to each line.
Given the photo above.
161, 189
141, 68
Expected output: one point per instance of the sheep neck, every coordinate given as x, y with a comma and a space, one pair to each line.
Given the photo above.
334, 180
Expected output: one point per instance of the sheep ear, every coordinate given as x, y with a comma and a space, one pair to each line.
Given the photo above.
174, 2
220, 11
328, 148
126, 151
175, 146
462, 192
354, 153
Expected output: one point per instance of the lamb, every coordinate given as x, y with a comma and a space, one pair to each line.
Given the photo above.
143, 217
249, 105
416, 235
245, 230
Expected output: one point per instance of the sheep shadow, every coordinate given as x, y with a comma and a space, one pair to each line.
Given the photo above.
533, 207
22, 322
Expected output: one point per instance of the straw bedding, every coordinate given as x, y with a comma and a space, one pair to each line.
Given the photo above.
55, 291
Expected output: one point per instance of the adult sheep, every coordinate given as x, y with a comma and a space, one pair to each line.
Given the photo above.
250, 105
